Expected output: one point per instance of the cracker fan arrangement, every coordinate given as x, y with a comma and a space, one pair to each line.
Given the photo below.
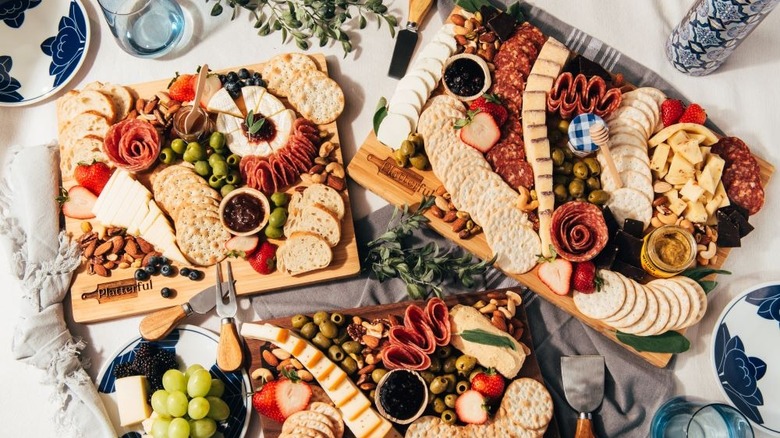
158, 187
611, 200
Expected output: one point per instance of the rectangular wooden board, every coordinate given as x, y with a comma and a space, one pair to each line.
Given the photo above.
145, 297
374, 168
272, 429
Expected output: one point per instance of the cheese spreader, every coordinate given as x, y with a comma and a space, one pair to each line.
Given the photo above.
157, 325
583, 384
407, 37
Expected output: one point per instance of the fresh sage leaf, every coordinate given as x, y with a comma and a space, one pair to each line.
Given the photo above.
703, 271
669, 342
483, 337
708, 285
516, 13
379, 114
216, 10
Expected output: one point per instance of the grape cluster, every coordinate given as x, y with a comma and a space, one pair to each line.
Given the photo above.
234, 81
149, 361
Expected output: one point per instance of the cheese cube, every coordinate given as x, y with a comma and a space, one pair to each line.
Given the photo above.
680, 170
672, 194
660, 155
691, 191
721, 191
711, 173
131, 399
695, 212
677, 138
677, 206
690, 150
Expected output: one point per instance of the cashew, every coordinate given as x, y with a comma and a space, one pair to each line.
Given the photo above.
262, 373
524, 202
488, 309
317, 178
510, 306
667, 219
326, 148
709, 252
506, 312
701, 261
655, 222
336, 169
688, 225
514, 297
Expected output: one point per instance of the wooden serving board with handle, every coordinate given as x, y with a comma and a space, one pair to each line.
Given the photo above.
374, 168
95, 298
272, 429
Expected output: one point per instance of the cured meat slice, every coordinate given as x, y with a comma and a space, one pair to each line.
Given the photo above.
439, 319
401, 356
579, 231
517, 173
132, 144
416, 321
573, 95
741, 174
399, 334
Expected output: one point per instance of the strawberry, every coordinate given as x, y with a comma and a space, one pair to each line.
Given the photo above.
490, 384
694, 114
77, 203
671, 111
471, 408
242, 246
584, 278
264, 260
210, 88
182, 88
93, 176
478, 130
555, 273
491, 104
278, 399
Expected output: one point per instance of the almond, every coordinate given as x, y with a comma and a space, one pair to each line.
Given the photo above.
143, 245
336, 183
458, 20
90, 249
370, 341
459, 224
100, 270
450, 216
366, 369
270, 359
436, 211
104, 248
118, 243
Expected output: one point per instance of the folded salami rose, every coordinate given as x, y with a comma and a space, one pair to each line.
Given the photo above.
399, 334
416, 321
579, 231
439, 320
132, 145
397, 356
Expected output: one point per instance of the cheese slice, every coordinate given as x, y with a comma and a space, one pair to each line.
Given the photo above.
252, 97
131, 393
221, 102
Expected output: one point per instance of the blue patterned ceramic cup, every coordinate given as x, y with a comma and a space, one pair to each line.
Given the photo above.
692, 418
711, 30
144, 28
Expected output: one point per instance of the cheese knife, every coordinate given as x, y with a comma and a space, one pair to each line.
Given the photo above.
407, 38
157, 325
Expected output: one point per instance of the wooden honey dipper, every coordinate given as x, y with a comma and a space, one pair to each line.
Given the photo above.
600, 136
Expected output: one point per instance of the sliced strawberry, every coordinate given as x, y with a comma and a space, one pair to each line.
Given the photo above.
490, 384
264, 260
242, 246
182, 88
556, 274
671, 111
77, 203
491, 104
278, 399
93, 176
479, 130
584, 278
210, 88
694, 114
471, 408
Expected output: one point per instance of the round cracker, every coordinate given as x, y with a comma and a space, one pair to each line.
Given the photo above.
660, 321
631, 179
645, 104
429, 427
698, 300
626, 135
675, 308
333, 414
302, 432
657, 95
637, 310
628, 305
310, 419
628, 203
529, 402
627, 125
628, 149
201, 236
278, 72
633, 114
648, 317
683, 298
316, 96
605, 302
515, 247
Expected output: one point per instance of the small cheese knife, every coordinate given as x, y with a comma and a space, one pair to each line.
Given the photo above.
157, 325
407, 38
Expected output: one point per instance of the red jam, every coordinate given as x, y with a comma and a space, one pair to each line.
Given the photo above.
266, 133
243, 213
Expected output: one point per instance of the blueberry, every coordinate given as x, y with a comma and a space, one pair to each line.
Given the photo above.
260, 82
167, 270
232, 77
164, 260
150, 269
194, 275
166, 292
141, 275
257, 75
222, 78
250, 82
154, 261
185, 271
233, 88
243, 73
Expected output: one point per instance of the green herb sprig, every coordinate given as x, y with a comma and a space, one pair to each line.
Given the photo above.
422, 268
254, 124
306, 20
483, 337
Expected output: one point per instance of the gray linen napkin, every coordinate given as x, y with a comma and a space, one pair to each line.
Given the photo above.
633, 391
43, 260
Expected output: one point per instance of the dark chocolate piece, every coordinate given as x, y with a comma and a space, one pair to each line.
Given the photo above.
606, 257
580, 64
629, 248
728, 232
503, 25
612, 225
488, 12
741, 222
734, 207
628, 270
634, 227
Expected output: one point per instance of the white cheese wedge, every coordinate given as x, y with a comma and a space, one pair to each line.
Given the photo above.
711, 173
131, 398
691, 191
252, 97
221, 102
283, 121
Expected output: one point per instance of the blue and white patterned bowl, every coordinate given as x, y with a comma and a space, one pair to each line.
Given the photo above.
746, 355
42, 46
192, 345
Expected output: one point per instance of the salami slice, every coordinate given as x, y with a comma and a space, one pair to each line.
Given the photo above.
132, 144
741, 174
516, 173
416, 321
439, 319
399, 334
397, 356
579, 231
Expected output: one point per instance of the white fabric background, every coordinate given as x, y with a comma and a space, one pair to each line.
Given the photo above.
740, 98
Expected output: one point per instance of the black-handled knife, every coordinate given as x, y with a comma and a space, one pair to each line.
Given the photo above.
407, 38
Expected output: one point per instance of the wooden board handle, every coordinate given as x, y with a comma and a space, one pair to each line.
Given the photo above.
157, 325
584, 428
230, 355
418, 9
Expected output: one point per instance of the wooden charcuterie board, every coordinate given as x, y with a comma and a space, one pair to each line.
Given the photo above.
272, 429
120, 295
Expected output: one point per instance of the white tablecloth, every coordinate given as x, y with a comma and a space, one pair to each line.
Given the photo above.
739, 98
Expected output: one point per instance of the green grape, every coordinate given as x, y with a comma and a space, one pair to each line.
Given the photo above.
159, 400
203, 428
179, 428
173, 380
192, 368
198, 408
199, 383
218, 409
160, 428
177, 404
217, 388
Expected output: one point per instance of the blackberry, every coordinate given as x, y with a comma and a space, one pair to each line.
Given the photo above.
167, 360
124, 370
145, 349
146, 365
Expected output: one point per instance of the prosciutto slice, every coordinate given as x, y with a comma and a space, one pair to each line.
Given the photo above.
404, 356
439, 320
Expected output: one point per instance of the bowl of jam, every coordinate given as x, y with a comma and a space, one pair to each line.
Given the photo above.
466, 76
401, 396
244, 211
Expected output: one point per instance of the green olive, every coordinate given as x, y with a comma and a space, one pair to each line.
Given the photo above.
279, 199
233, 177
338, 319
321, 341
320, 317
335, 353
309, 330
419, 161
377, 374
372, 394
438, 405
560, 179
417, 139
449, 400
593, 183
178, 145
352, 347
400, 159
560, 193
427, 376
593, 165
342, 337
566, 168
439, 385
451, 381
299, 321
563, 126
598, 197
217, 140
328, 329
435, 364
449, 365
558, 156
462, 386
465, 364
273, 232
227, 188
580, 170
568, 153
167, 156
554, 136
444, 352
202, 168
233, 160
349, 365
475, 371
216, 182
577, 188
278, 217
408, 148
448, 416
213, 158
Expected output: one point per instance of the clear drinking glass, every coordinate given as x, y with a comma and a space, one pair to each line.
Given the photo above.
694, 418
144, 28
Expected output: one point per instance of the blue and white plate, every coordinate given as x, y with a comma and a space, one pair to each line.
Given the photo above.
192, 345
42, 46
746, 355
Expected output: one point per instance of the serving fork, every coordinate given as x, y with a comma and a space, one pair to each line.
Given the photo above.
230, 354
